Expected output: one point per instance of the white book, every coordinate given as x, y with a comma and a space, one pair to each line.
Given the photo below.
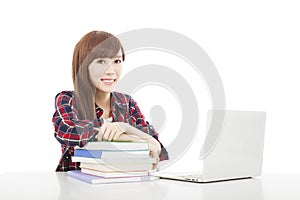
117, 167
114, 174
77, 174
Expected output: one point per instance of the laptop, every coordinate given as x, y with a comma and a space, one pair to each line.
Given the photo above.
237, 150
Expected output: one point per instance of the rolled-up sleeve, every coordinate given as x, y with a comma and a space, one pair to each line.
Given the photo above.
69, 130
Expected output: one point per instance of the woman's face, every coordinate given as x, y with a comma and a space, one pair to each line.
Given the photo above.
105, 72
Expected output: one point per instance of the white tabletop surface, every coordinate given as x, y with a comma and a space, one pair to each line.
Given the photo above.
48, 185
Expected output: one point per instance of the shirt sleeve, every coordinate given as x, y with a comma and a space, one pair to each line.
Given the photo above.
138, 120
69, 130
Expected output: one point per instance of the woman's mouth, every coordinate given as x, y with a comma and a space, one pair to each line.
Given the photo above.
108, 81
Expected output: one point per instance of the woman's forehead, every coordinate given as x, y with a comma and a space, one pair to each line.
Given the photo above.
118, 55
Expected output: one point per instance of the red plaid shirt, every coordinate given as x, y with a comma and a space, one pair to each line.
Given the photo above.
70, 131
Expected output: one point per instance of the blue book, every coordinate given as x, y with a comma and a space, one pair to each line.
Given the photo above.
77, 174
111, 154
88, 153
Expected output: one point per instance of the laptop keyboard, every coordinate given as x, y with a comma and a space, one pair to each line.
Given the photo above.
192, 177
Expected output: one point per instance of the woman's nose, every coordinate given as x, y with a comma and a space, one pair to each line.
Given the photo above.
110, 70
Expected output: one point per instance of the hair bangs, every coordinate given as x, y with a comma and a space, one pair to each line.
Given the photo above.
109, 48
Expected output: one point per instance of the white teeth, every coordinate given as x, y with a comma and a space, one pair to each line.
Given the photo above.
108, 80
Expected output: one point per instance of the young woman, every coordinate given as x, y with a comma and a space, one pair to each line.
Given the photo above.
94, 111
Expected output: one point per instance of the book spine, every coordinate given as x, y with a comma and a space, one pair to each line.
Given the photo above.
113, 161
117, 167
77, 175
92, 179
110, 154
114, 174
88, 153
116, 146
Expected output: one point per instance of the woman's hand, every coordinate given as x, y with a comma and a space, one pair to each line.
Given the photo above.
109, 132
154, 153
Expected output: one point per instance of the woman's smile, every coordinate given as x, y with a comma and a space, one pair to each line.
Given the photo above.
108, 81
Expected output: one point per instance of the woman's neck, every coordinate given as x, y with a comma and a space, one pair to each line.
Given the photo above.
102, 99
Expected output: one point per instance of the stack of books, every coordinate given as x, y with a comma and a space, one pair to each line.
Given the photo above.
111, 162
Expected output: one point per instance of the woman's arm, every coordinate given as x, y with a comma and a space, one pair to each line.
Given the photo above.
136, 133
138, 121
69, 130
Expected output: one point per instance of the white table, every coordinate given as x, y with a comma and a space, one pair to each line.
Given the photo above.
53, 186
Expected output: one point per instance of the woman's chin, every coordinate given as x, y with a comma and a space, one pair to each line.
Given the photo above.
106, 89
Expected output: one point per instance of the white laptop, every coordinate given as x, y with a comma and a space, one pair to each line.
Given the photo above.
237, 152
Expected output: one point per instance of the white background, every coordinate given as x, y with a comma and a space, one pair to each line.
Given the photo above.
255, 46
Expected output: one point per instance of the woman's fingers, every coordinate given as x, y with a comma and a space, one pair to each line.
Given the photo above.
116, 136
155, 155
109, 132
100, 133
112, 134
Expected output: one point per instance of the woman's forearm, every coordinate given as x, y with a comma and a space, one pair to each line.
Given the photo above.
130, 138
133, 132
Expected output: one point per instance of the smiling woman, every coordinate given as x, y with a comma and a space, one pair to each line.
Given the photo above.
112, 67
94, 111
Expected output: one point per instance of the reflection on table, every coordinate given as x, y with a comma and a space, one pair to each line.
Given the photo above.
60, 186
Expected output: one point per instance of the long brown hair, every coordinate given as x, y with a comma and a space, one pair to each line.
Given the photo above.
95, 44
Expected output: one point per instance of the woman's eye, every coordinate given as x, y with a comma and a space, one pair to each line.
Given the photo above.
118, 61
101, 61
